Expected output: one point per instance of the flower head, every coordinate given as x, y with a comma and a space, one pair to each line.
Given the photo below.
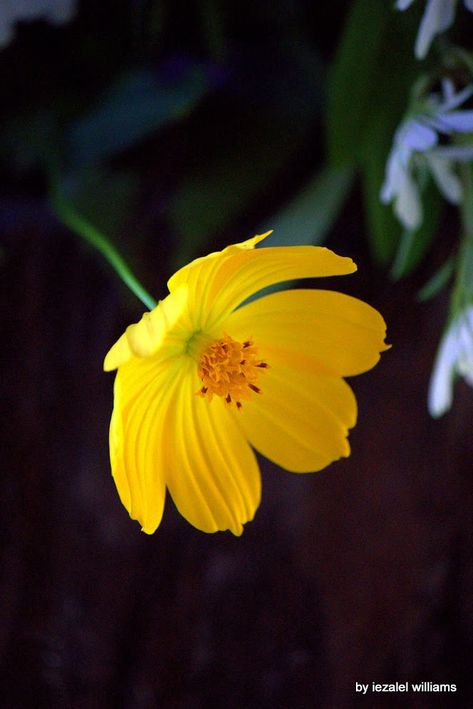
416, 148
454, 357
205, 378
437, 18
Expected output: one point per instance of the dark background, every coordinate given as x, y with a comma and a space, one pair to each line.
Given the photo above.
360, 573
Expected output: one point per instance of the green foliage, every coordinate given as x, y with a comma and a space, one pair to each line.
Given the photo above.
384, 229
267, 96
244, 160
372, 75
137, 105
103, 197
308, 217
438, 281
352, 77
88, 232
261, 129
368, 92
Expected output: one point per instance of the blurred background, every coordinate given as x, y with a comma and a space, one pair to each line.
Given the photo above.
177, 128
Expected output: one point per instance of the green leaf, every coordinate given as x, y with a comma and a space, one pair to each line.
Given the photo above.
383, 228
373, 70
137, 105
397, 72
311, 213
352, 76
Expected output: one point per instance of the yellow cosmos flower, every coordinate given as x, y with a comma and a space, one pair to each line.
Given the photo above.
203, 380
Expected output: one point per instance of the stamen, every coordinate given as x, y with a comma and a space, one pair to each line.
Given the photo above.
224, 372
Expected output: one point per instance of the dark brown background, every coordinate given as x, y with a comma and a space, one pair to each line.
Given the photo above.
362, 573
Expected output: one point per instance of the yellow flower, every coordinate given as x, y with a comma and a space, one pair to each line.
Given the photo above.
201, 382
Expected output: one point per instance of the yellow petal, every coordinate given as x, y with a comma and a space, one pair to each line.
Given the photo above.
188, 272
164, 327
218, 283
316, 329
301, 419
142, 393
118, 354
211, 471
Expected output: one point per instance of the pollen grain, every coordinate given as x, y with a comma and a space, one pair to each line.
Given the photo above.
230, 369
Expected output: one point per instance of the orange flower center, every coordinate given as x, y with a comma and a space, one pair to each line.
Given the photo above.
230, 369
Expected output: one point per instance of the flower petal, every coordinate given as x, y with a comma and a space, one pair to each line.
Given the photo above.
223, 280
118, 354
437, 17
211, 471
451, 99
462, 153
454, 121
301, 419
321, 330
408, 205
142, 390
156, 329
417, 136
441, 382
447, 181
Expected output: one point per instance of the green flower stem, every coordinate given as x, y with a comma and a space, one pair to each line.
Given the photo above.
467, 208
80, 226
463, 292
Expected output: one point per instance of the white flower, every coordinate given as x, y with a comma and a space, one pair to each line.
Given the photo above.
12, 11
454, 357
416, 146
437, 18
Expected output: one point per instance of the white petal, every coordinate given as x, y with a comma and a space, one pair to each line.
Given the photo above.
463, 153
441, 381
469, 5
453, 100
448, 91
418, 136
438, 16
403, 4
407, 206
454, 122
399, 185
391, 180
447, 181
